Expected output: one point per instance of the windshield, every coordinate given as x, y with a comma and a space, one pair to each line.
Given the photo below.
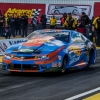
63, 36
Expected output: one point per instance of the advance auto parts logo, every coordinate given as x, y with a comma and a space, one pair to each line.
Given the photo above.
19, 12
76, 49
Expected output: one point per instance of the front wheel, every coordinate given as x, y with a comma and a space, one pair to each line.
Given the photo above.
63, 68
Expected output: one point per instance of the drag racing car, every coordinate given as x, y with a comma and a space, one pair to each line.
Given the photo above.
50, 50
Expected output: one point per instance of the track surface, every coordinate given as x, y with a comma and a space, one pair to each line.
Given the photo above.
48, 86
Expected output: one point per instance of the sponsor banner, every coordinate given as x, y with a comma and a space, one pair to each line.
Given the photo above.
4, 44
19, 9
96, 9
76, 10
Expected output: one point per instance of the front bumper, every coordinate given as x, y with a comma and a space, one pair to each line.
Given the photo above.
31, 66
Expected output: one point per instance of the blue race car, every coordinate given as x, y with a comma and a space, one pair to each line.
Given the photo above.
50, 50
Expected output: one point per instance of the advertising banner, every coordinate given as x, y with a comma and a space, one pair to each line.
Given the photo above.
58, 9
4, 44
96, 9
19, 9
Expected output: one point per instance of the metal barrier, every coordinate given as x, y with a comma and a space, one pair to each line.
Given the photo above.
60, 27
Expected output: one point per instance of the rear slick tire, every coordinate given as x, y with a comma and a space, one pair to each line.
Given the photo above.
89, 60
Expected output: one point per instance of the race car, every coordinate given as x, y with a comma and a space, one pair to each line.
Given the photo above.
50, 50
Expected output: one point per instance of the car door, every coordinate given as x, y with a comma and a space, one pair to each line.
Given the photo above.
76, 49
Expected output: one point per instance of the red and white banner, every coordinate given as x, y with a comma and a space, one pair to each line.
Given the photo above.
4, 44
48, 9
96, 9
75, 9
19, 9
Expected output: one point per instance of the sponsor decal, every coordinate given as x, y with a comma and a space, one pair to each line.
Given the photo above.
54, 64
74, 55
29, 12
48, 30
26, 50
77, 52
20, 8
4, 44
76, 49
3, 47
59, 64
15, 42
73, 60
76, 10
19, 12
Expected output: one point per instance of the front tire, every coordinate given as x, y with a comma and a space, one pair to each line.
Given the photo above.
63, 68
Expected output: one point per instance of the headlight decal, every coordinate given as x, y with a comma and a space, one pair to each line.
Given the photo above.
42, 57
8, 56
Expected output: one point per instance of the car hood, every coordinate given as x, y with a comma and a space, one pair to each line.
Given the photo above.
31, 47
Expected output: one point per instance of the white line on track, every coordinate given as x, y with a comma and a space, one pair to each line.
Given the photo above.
83, 94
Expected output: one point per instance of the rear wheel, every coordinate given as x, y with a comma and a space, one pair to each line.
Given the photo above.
63, 68
89, 59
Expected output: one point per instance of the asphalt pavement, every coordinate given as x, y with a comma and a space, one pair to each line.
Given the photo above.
49, 86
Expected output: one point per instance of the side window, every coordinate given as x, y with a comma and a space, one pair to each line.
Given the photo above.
76, 37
